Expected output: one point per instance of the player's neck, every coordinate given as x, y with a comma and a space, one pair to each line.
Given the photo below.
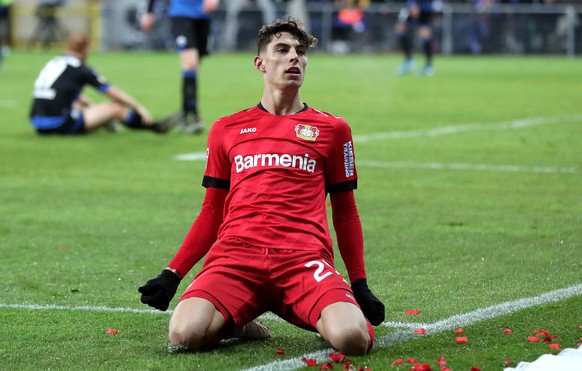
77, 55
282, 104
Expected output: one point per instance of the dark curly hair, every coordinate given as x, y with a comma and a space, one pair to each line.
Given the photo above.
294, 26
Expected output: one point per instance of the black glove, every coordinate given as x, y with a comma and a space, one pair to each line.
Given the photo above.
372, 307
159, 291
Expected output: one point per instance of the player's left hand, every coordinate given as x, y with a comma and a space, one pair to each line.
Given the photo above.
372, 307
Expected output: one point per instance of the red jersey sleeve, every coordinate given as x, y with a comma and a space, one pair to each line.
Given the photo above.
203, 232
341, 172
217, 170
350, 238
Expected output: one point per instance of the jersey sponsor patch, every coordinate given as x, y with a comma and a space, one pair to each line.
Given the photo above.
306, 132
302, 162
349, 159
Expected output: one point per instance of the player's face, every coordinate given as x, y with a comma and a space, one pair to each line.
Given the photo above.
283, 62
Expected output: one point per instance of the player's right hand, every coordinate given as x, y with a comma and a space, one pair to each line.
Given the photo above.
159, 291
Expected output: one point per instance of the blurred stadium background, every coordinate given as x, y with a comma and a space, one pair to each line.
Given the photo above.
517, 27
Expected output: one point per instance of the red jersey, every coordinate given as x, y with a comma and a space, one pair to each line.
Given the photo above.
278, 170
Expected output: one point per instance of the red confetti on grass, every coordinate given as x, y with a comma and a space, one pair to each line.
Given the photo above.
507, 332
533, 339
364, 368
507, 362
459, 331
475, 368
422, 367
410, 360
309, 361
326, 366
279, 352
413, 311
396, 362
112, 331
337, 357
420, 331
542, 335
461, 339
554, 345
446, 369
441, 361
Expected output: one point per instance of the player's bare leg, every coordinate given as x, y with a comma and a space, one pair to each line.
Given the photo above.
196, 323
189, 64
425, 34
103, 114
346, 336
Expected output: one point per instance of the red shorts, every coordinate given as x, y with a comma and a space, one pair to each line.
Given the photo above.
244, 281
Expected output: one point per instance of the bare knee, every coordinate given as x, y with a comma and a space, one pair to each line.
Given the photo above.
187, 335
118, 110
351, 340
348, 337
195, 323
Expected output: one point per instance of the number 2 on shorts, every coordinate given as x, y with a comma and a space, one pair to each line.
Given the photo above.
319, 274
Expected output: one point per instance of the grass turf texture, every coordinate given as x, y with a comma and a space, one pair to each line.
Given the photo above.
84, 221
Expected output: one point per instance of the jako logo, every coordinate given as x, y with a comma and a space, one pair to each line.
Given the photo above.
248, 130
273, 159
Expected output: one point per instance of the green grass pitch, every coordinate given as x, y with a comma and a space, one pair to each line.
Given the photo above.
470, 194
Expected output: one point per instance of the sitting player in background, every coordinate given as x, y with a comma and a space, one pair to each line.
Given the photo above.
263, 224
59, 108
417, 15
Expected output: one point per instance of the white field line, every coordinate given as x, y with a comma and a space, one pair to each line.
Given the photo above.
81, 308
469, 167
267, 316
201, 156
450, 323
514, 124
6, 103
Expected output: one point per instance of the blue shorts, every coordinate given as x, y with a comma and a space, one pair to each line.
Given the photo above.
424, 19
68, 125
191, 33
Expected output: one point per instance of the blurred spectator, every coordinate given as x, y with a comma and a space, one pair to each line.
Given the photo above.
5, 38
49, 28
294, 8
349, 23
417, 15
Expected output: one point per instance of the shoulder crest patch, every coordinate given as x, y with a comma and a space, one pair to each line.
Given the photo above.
306, 132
